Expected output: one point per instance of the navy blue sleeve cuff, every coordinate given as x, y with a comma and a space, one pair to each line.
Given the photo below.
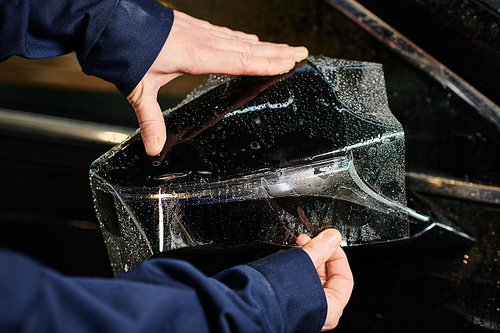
130, 43
299, 290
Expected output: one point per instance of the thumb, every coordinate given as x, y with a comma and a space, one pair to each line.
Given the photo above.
321, 247
150, 120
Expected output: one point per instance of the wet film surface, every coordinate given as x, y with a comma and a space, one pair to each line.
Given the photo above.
260, 160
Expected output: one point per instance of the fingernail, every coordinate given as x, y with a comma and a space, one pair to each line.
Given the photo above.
333, 236
300, 49
151, 145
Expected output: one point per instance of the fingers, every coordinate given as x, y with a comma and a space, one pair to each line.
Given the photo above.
229, 62
237, 57
150, 118
338, 287
261, 49
333, 269
208, 49
321, 247
302, 240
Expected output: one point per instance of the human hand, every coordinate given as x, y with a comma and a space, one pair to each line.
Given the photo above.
333, 270
198, 47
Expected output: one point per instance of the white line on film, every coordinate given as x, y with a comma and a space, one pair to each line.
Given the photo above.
262, 106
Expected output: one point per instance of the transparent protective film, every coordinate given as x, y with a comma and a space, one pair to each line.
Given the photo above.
261, 159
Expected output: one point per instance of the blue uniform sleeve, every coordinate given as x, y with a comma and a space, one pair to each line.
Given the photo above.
116, 40
280, 293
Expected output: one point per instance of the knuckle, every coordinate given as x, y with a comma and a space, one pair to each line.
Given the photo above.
244, 62
148, 129
248, 47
